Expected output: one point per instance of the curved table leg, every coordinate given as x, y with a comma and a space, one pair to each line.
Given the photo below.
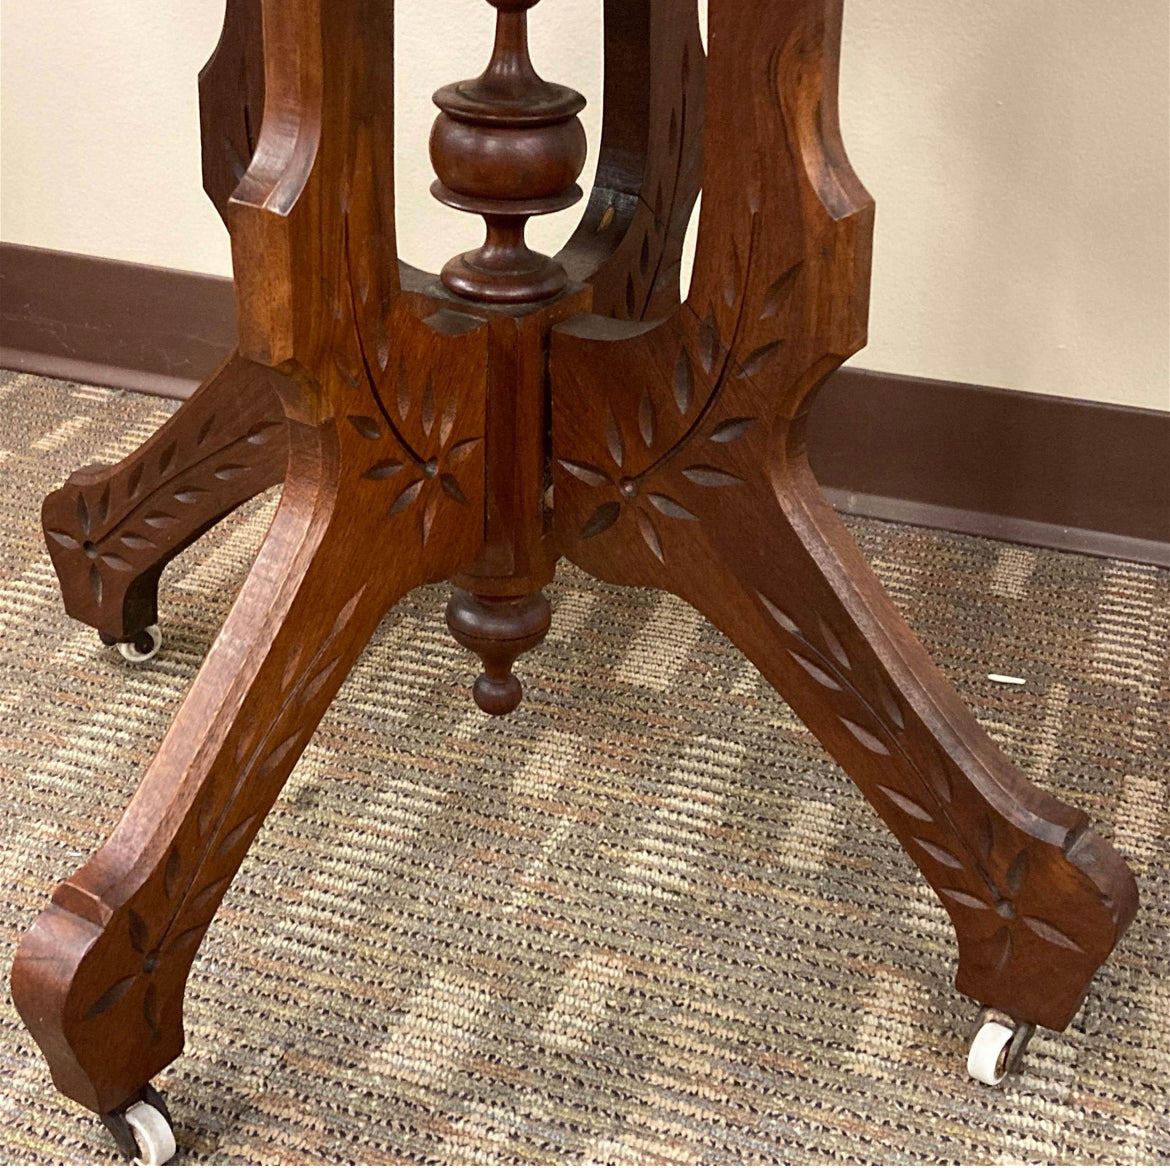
112, 529
1038, 900
99, 979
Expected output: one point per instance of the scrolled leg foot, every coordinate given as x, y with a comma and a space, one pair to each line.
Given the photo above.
499, 630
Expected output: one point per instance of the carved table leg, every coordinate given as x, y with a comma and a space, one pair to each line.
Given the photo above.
679, 464
384, 395
99, 978
112, 530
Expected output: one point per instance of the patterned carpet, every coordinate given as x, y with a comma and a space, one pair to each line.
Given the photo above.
644, 920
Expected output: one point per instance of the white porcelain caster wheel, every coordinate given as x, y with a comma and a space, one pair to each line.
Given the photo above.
152, 1133
997, 1047
144, 646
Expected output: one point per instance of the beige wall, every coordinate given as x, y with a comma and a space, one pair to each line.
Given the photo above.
1018, 150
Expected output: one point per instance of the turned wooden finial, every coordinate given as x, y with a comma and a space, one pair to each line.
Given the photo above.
507, 146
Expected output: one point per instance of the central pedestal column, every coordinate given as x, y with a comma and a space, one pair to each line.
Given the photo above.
509, 145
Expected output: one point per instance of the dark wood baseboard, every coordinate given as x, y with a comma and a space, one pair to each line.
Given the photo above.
1053, 472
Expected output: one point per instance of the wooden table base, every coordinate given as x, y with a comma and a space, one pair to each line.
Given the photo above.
479, 427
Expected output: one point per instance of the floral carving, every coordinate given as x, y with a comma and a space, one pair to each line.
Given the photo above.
200, 864
871, 712
698, 458
123, 523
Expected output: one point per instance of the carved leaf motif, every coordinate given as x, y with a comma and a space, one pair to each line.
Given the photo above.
278, 754
814, 671
644, 258
647, 419
906, 803
672, 135
83, 514
139, 934
732, 430
601, 520
1046, 932
875, 745
171, 872
684, 382
350, 378
260, 434
780, 616
940, 854
188, 495
427, 519
408, 496
613, 439
136, 542
711, 476
234, 836
382, 351
834, 644
963, 898
229, 471
428, 407
134, 481
206, 810
777, 295
111, 997
451, 488
1016, 873
671, 507
650, 535
95, 583
188, 937
938, 780
167, 457
759, 358
731, 291
889, 704
403, 392
986, 836
1001, 949
313, 688
158, 519
461, 450
64, 539
385, 469
709, 343
586, 472
447, 424
366, 427
104, 505
631, 297
207, 896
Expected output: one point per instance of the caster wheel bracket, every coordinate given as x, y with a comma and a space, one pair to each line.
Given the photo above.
120, 1127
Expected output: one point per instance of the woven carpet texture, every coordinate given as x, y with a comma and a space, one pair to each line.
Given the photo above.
643, 920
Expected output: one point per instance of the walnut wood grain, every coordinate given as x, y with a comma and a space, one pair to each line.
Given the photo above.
680, 464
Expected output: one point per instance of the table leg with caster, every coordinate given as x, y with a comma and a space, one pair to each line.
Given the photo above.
680, 463
112, 530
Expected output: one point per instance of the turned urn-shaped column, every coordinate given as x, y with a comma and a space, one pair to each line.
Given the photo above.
507, 145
